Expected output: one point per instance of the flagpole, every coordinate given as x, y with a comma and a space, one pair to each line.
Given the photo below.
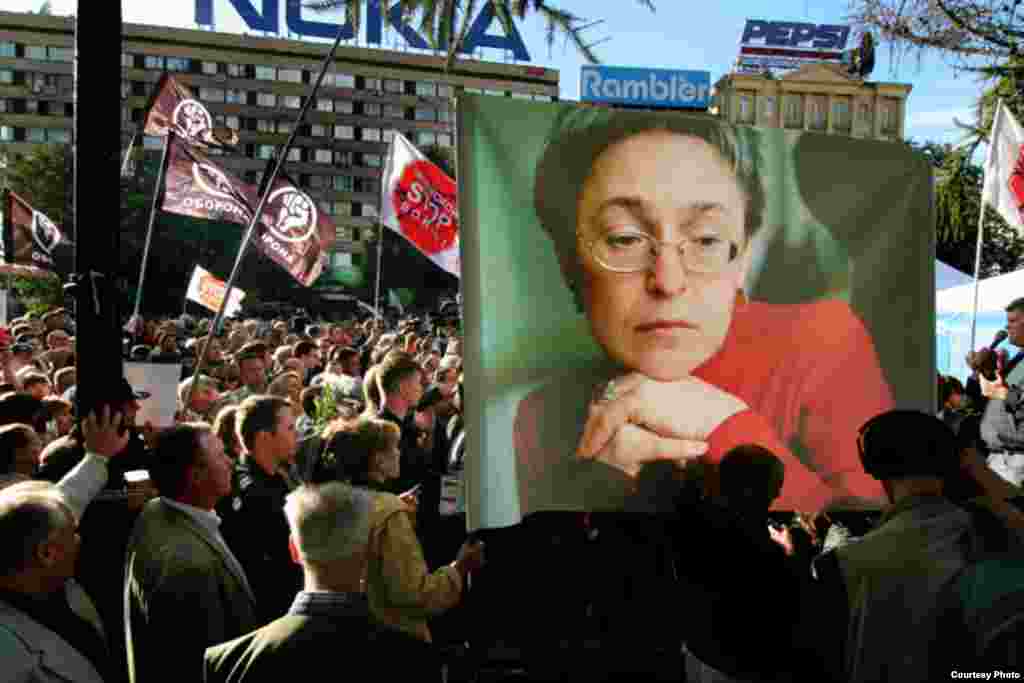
981, 224
268, 185
158, 192
188, 281
128, 152
385, 179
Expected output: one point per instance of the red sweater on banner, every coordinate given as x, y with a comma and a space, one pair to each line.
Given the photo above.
809, 374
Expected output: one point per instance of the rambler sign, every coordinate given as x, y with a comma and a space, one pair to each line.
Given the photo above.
267, 19
650, 88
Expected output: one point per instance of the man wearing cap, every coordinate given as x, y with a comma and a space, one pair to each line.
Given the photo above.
887, 589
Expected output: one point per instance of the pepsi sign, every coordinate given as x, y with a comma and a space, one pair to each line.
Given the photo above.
795, 35
267, 19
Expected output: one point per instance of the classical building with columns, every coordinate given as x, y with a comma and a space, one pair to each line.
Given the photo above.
816, 97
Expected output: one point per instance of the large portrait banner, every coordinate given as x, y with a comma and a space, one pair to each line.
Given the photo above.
645, 292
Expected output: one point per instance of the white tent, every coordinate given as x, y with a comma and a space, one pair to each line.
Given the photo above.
953, 308
994, 294
948, 276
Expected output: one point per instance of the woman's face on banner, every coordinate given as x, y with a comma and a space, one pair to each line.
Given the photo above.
665, 321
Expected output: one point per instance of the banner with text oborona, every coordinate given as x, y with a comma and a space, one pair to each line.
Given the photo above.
647, 292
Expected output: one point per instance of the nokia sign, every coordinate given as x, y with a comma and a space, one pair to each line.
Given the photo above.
267, 19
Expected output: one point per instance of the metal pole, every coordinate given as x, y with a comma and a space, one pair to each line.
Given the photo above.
158, 192
128, 152
385, 179
268, 186
97, 187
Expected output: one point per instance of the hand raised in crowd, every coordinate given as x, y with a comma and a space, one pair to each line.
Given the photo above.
102, 433
470, 557
411, 499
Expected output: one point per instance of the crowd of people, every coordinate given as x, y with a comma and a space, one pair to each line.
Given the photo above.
306, 511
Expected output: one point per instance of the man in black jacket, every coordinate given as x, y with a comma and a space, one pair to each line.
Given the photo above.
330, 527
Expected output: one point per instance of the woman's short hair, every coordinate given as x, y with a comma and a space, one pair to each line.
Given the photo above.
279, 385
350, 447
328, 522
581, 134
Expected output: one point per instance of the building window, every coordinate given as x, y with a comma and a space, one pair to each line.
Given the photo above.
6, 77
36, 52
6, 134
265, 126
445, 90
427, 137
265, 99
890, 115
343, 159
65, 84
127, 60
344, 80
426, 114
794, 112
343, 183
31, 106
289, 75
372, 84
5, 106
291, 101
61, 54
265, 73
233, 122
372, 160
369, 210
319, 130
152, 142
426, 88
35, 135
210, 68
323, 156
342, 208
444, 115
60, 136
371, 109
264, 152
367, 185
324, 105
522, 96
444, 139
841, 114
154, 62
768, 107
318, 182
371, 134
10, 49
746, 108
343, 107
236, 70
177, 64
285, 127
816, 113
234, 96
394, 111
387, 135
344, 132
211, 94
295, 154
393, 86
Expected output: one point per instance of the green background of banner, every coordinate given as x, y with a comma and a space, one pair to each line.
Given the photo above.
874, 250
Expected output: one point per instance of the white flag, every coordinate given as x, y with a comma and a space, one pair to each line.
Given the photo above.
418, 202
1004, 168
208, 291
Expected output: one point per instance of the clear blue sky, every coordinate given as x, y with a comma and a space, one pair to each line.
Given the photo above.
678, 35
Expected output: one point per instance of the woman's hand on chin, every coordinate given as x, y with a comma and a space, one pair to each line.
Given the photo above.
686, 410
632, 447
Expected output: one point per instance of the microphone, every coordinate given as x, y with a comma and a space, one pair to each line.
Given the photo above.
985, 361
1000, 337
